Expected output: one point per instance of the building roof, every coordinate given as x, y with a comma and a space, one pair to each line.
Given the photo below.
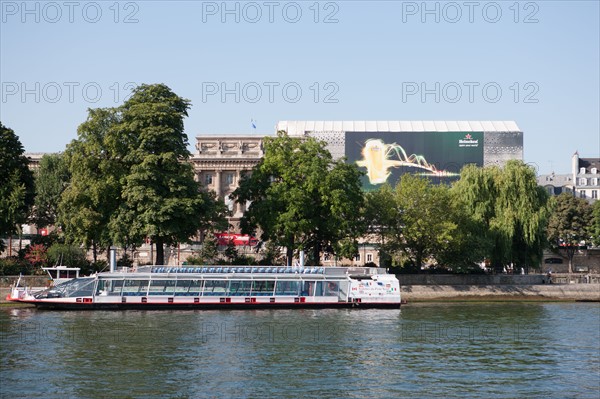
562, 180
589, 163
296, 128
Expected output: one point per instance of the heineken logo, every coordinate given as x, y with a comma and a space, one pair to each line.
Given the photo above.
468, 141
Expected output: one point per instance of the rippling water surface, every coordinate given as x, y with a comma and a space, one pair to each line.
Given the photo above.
475, 350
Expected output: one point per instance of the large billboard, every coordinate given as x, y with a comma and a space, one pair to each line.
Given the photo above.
439, 156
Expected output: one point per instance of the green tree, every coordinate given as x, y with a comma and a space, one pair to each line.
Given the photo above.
510, 209
161, 199
469, 245
130, 178
91, 199
569, 224
596, 223
231, 252
50, 181
271, 254
522, 214
209, 253
65, 254
17, 190
426, 228
381, 220
300, 198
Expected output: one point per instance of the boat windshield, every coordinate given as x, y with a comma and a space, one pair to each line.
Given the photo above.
78, 287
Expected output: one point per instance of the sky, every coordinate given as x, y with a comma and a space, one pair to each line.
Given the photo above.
534, 62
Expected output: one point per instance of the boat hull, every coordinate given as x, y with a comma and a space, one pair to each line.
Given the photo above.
208, 306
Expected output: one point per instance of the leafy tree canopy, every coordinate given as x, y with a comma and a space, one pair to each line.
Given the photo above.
596, 223
301, 198
131, 178
510, 208
16, 182
421, 226
51, 180
570, 224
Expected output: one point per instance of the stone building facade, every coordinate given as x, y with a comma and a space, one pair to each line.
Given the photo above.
586, 175
583, 181
219, 163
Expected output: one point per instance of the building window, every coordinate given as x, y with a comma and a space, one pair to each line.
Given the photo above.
581, 193
208, 179
594, 194
229, 178
369, 258
582, 181
357, 258
594, 171
594, 181
582, 171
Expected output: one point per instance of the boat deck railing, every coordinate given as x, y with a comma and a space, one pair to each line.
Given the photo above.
240, 269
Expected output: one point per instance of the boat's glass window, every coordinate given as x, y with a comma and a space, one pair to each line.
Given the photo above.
331, 288
76, 287
319, 291
343, 290
135, 287
308, 288
263, 288
215, 287
188, 287
162, 287
195, 287
240, 288
109, 287
287, 288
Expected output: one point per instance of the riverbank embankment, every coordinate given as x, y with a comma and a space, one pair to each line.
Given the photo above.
501, 287
546, 292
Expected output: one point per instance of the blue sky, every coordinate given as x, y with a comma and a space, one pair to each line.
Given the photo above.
533, 62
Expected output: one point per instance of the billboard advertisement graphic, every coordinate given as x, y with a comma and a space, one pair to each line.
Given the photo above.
439, 156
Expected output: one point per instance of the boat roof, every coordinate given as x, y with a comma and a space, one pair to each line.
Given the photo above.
243, 271
61, 268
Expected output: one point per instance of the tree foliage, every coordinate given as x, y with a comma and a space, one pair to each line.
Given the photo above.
36, 255
130, 176
570, 224
51, 180
470, 243
92, 197
510, 209
301, 198
596, 223
271, 254
491, 213
381, 220
16, 183
161, 199
414, 222
66, 254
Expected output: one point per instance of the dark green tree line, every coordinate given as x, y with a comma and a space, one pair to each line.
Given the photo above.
492, 213
301, 199
17, 190
510, 209
596, 223
51, 179
131, 178
570, 225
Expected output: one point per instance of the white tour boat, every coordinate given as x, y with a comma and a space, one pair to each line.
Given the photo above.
221, 287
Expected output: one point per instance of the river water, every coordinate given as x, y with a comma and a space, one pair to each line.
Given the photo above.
434, 350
